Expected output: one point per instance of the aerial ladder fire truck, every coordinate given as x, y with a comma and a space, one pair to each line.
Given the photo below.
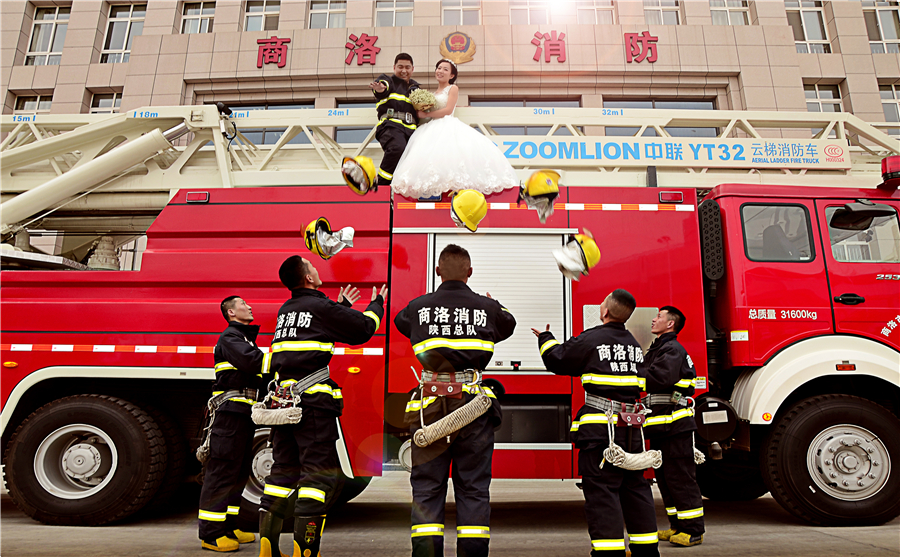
776, 233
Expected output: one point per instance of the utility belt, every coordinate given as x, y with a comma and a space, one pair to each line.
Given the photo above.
629, 414
676, 398
288, 396
448, 384
212, 405
221, 398
405, 117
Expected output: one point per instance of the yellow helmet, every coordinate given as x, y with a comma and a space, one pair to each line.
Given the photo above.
541, 183
312, 238
590, 253
359, 174
467, 209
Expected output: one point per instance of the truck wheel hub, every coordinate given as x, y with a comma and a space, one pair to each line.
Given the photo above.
848, 462
81, 461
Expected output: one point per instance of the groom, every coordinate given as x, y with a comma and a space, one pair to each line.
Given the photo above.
397, 117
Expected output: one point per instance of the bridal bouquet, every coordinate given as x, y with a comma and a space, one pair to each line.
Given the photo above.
422, 99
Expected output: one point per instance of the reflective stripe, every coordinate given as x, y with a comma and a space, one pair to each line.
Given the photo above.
670, 510
685, 383
472, 389
277, 491
323, 388
652, 537
311, 493
393, 96
267, 363
234, 509
669, 418
454, 343
385, 175
614, 380
506, 310
592, 419
241, 399
692, 513
302, 346
427, 530
608, 545
373, 316
548, 345
410, 126
211, 516
416, 405
473, 532
222, 366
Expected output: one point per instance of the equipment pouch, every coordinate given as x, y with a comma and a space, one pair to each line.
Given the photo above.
627, 419
443, 388
676, 397
281, 397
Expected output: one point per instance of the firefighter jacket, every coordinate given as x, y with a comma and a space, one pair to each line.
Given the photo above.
453, 329
238, 365
308, 326
668, 368
395, 97
607, 358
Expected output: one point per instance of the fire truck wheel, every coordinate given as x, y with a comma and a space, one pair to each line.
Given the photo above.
176, 460
726, 480
828, 460
85, 460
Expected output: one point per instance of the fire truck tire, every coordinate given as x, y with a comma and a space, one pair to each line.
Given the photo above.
176, 460
723, 480
85, 460
828, 460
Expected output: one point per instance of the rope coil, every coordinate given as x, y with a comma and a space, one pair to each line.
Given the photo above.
616, 455
454, 421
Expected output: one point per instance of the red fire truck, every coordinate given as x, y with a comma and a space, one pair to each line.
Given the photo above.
792, 298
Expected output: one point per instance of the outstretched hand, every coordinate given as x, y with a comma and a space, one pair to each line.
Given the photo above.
538, 333
349, 292
383, 293
377, 86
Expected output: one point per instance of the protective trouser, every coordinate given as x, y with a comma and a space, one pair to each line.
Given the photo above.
614, 496
305, 460
230, 457
677, 481
470, 451
393, 140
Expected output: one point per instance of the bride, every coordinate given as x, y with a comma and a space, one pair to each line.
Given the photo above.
446, 154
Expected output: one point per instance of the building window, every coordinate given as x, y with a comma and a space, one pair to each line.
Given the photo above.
461, 12
890, 102
34, 104
347, 134
729, 12
324, 14
48, 34
106, 103
197, 17
882, 25
614, 106
270, 136
662, 12
124, 24
529, 12
527, 130
393, 13
808, 22
596, 12
823, 98
262, 15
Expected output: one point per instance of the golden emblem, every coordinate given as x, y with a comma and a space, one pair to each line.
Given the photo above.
458, 47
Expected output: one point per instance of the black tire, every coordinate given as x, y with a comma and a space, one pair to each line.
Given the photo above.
176, 461
817, 438
51, 457
727, 480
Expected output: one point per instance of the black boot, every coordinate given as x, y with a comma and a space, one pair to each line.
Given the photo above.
269, 531
308, 535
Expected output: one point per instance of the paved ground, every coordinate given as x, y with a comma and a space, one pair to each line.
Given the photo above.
530, 518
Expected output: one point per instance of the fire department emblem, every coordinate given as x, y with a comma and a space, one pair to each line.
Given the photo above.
310, 536
458, 47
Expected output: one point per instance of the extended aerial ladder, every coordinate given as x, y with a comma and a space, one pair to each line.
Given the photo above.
112, 173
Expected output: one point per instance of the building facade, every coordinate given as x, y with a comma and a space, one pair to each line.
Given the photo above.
107, 56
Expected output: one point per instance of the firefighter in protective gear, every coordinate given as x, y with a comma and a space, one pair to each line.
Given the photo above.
453, 331
607, 358
397, 117
305, 456
323, 242
670, 381
359, 174
238, 365
539, 192
467, 209
578, 256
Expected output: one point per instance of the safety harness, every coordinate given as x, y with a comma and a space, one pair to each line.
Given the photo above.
212, 405
620, 414
452, 386
676, 399
282, 403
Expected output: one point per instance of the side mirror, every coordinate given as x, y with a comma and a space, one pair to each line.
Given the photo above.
859, 215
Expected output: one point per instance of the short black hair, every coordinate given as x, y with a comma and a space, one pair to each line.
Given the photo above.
227, 304
676, 316
454, 262
621, 305
454, 72
292, 272
403, 56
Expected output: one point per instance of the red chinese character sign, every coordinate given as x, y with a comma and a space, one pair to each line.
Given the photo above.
552, 46
640, 47
272, 51
363, 48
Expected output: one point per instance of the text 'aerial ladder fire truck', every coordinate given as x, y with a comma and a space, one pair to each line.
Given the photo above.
784, 254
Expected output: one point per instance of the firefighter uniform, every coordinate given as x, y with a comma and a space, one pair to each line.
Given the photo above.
670, 428
238, 365
607, 358
453, 330
305, 456
397, 120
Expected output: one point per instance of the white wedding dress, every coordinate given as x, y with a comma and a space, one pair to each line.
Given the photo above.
446, 154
